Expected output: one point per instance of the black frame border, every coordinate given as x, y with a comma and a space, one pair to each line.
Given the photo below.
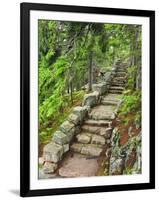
25, 9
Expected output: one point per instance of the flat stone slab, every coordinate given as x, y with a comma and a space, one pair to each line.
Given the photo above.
112, 97
83, 138
77, 165
87, 149
116, 88
103, 112
115, 91
86, 137
99, 123
97, 139
91, 150
96, 130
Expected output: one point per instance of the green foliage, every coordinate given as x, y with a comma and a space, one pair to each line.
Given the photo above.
63, 55
132, 71
52, 114
131, 102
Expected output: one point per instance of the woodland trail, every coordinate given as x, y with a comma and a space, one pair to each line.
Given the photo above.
91, 144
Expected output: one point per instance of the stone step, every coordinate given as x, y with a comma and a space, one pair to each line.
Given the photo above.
119, 80
112, 97
87, 149
102, 112
89, 138
92, 129
121, 70
120, 84
121, 73
116, 88
123, 65
103, 131
98, 123
108, 116
115, 91
109, 102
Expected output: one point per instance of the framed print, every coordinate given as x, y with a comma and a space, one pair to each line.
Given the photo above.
87, 99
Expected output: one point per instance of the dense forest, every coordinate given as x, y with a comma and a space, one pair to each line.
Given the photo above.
74, 55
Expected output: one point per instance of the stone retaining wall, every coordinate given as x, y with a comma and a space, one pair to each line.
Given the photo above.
54, 151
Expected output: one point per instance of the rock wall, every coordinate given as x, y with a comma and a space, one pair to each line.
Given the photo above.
125, 159
54, 151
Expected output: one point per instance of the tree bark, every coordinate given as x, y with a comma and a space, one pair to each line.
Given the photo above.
90, 71
71, 92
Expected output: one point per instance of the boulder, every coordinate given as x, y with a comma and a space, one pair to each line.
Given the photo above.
49, 167
74, 118
91, 99
81, 112
100, 87
66, 126
60, 138
68, 129
66, 148
52, 152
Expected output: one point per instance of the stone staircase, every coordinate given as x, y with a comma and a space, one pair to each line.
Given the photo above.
96, 131
86, 135
119, 80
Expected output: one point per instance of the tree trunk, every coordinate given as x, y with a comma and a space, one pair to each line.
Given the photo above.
71, 91
68, 89
90, 71
136, 58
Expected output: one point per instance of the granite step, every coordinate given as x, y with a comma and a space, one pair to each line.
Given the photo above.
109, 102
102, 112
98, 123
121, 73
115, 91
120, 84
103, 131
89, 138
119, 79
87, 149
116, 88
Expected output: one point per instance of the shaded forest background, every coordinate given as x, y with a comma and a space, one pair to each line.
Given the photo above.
74, 54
